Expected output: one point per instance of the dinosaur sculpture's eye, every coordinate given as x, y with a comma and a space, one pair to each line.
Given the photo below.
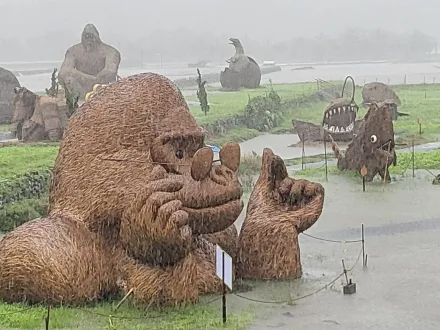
373, 138
179, 154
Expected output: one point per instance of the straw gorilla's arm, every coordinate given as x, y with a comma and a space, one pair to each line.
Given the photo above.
68, 68
112, 60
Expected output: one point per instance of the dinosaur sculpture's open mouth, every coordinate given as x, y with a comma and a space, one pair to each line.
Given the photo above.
340, 119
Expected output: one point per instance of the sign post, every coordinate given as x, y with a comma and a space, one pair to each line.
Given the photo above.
364, 172
223, 270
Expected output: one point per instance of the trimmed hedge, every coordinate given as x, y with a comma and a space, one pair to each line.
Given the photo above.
32, 184
15, 214
24, 198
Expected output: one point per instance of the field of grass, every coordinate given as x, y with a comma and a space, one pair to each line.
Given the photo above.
18, 160
225, 104
201, 316
4, 128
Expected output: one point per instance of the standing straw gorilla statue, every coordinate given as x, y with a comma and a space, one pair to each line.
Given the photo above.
88, 63
135, 203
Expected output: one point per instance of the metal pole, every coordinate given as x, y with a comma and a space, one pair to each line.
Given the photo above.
345, 270
413, 156
325, 156
302, 156
224, 288
363, 246
47, 317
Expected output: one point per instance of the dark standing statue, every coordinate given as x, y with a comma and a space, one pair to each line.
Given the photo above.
88, 63
372, 147
379, 92
243, 71
7, 84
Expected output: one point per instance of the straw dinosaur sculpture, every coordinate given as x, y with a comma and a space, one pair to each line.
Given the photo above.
243, 71
339, 119
88, 63
279, 209
372, 147
136, 202
379, 92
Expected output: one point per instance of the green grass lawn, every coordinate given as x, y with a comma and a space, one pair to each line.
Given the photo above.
18, 160
5, 128
223, 104
201, 316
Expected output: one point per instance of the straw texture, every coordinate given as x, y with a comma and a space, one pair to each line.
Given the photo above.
134, 170
38, 118
373, 146
88, 63
279, 209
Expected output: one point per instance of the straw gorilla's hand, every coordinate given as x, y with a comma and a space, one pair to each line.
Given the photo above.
158, 215
165, 211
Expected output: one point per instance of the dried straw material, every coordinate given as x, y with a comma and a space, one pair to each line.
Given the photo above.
373, 146
55, 260
279, 209
134, 171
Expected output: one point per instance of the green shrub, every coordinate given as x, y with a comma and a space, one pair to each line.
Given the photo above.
30, 185
264, 112
15, 214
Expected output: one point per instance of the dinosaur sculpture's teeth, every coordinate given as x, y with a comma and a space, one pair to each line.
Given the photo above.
339, 110
337, 129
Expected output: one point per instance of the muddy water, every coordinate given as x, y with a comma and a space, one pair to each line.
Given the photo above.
396, 291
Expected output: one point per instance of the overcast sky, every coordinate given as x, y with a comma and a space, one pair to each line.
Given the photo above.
265, 20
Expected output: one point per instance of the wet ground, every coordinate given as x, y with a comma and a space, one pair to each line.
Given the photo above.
398, 289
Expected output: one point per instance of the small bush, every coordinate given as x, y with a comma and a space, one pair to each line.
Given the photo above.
15, 214
264, 112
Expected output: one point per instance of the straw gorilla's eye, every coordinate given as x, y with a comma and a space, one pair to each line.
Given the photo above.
179, 154
373, 138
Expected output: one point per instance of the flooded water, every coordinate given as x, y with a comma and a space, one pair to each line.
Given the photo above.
411, 73
395, 291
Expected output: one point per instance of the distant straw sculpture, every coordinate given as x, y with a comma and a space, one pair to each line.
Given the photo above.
134, 192
279, 209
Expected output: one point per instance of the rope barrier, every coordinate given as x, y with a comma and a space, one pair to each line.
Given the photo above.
332, 241
305, 296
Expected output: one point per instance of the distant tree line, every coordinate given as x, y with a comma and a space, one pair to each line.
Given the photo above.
176, 45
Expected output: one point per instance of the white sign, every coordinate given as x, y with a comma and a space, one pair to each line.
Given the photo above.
219, 253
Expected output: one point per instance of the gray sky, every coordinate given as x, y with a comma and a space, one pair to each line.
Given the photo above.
264, 20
